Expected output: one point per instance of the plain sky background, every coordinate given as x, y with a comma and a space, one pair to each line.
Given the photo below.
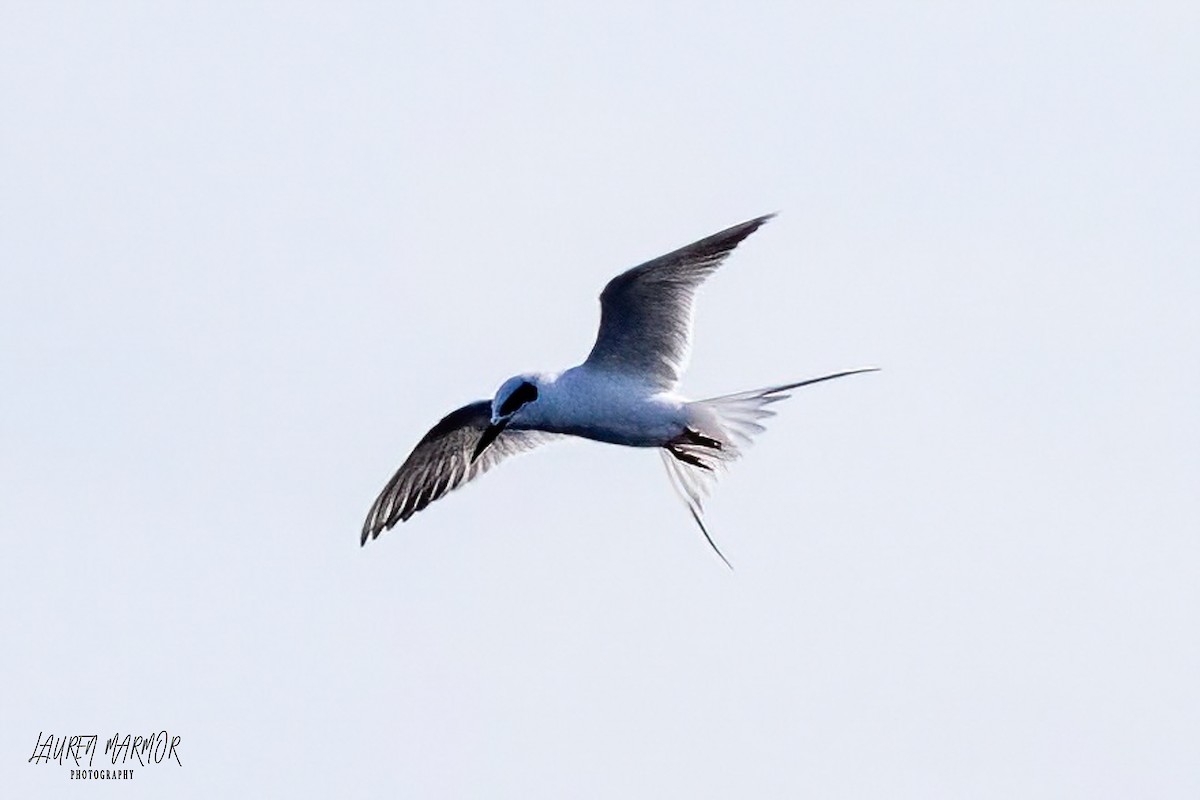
250, 252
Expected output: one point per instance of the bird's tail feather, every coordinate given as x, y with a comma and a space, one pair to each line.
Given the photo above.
719, 431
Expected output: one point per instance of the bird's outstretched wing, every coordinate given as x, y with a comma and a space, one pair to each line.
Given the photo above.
441, 462
646, 312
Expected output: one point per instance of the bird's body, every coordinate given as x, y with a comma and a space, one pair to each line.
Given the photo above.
624, 393
594, 403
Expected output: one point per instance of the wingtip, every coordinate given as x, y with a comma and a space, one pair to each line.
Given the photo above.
759, 221
750, 226
725, 241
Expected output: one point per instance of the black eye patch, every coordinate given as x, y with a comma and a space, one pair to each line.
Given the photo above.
525, 393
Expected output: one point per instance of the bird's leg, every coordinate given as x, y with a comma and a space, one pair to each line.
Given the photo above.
700, 440
682, 446
687, 458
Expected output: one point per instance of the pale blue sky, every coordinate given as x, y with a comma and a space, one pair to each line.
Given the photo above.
252, 252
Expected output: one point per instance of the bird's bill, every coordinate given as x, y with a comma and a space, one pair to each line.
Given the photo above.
489, 435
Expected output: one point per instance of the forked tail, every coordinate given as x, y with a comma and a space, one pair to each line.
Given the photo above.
718, 431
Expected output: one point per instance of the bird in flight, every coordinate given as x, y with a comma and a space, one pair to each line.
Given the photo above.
623, 393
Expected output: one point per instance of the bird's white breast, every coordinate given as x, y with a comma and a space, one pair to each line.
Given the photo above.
608, 407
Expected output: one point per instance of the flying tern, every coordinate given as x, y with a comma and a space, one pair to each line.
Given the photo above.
623, 393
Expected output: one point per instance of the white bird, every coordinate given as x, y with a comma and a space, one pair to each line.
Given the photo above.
623, 393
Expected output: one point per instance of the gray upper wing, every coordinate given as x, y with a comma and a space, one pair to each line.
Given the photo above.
441, 462
646, 312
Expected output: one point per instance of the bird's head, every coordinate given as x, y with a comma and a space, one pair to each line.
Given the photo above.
512, 402
514, 395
